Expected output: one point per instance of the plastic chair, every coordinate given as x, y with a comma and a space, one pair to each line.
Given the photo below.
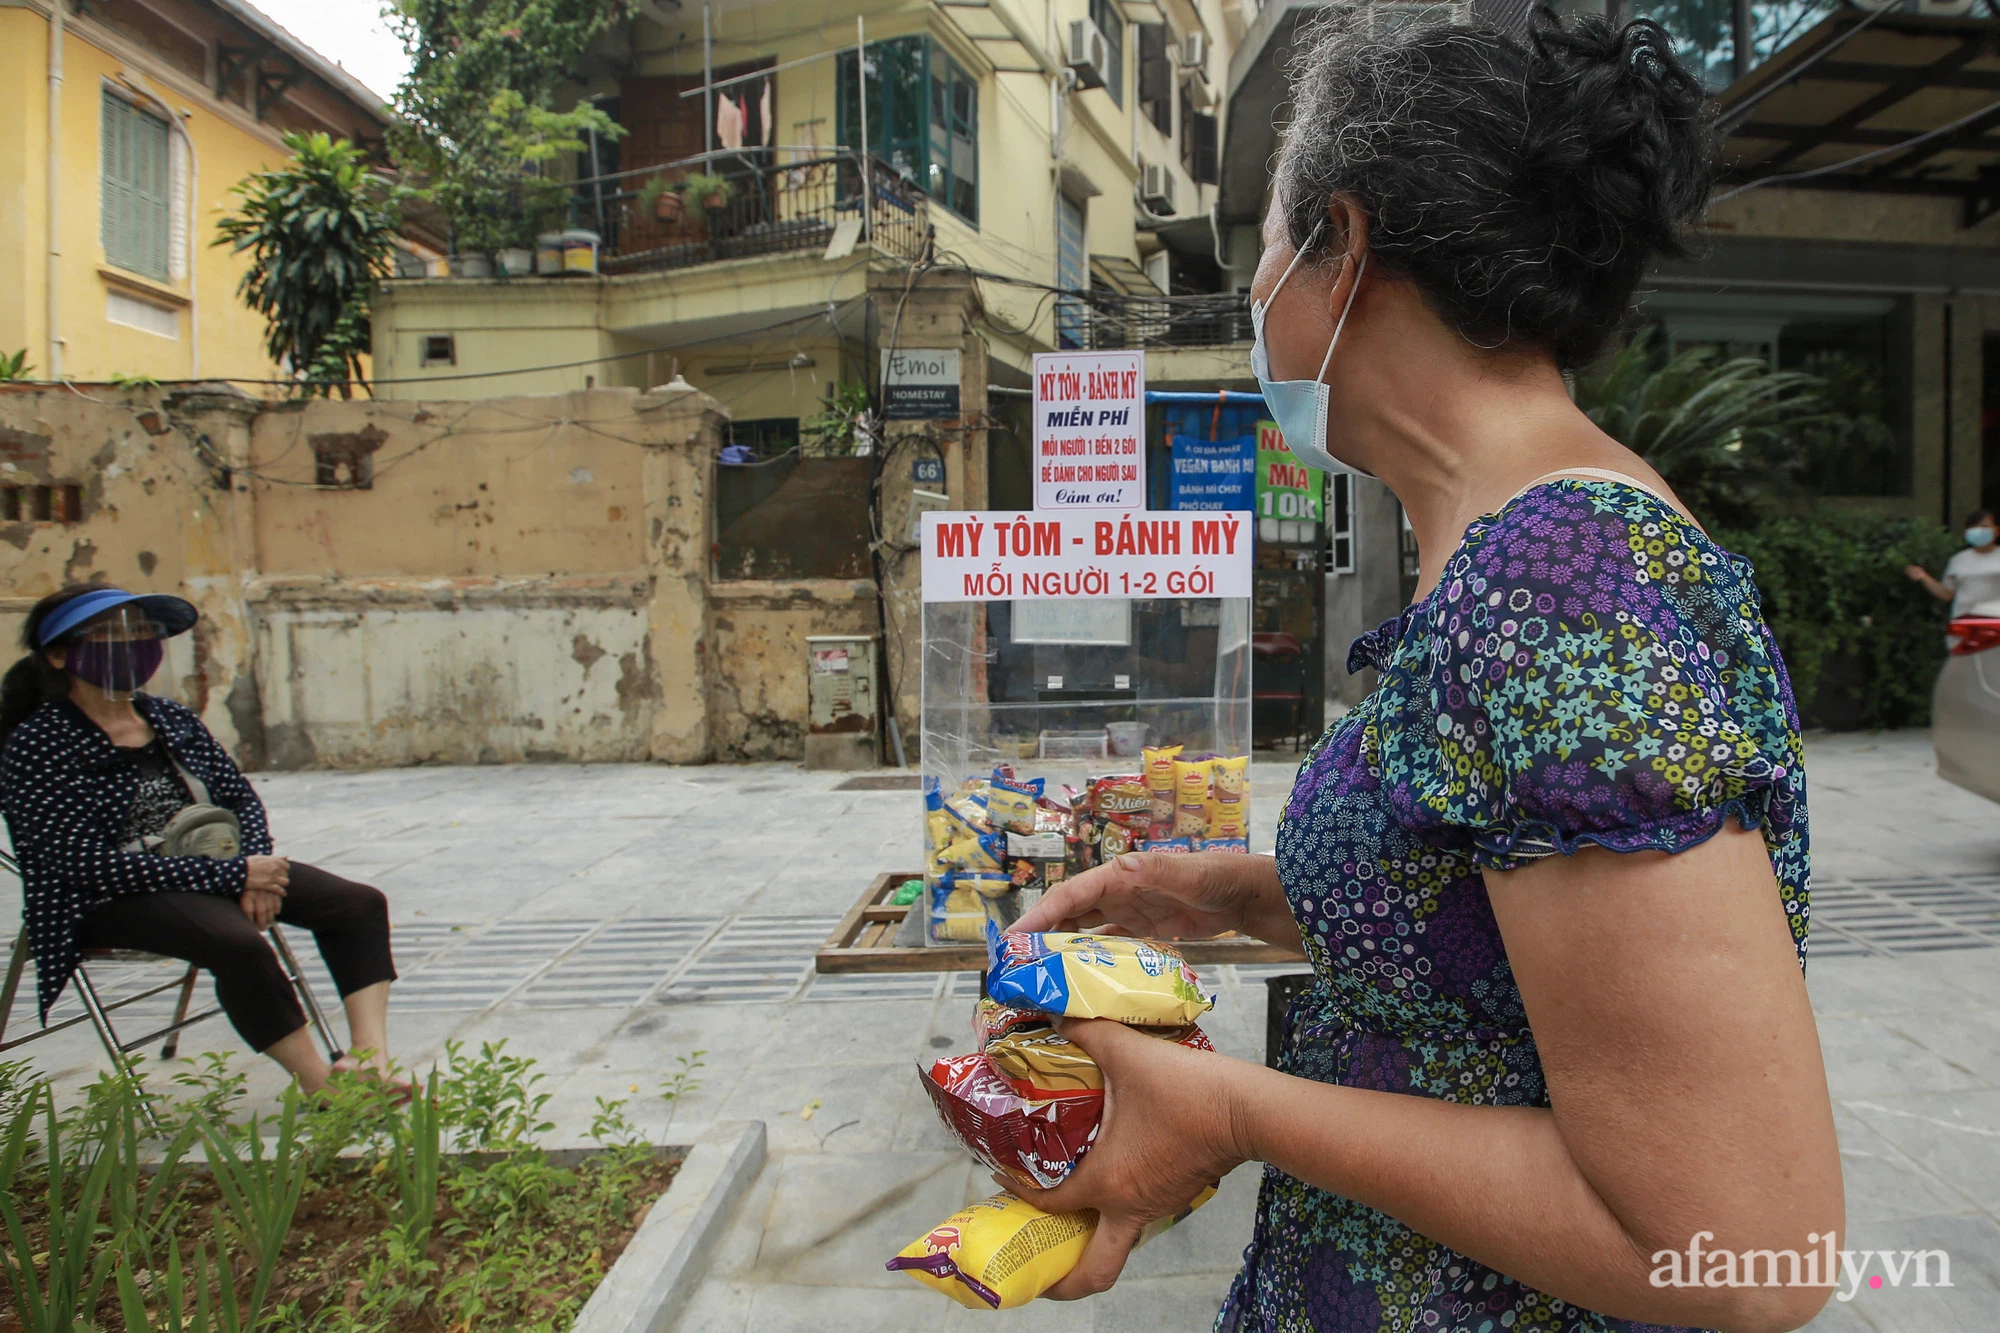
1279, 660
98, 1014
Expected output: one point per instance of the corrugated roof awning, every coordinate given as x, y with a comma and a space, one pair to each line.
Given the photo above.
1880, 102
1123, 276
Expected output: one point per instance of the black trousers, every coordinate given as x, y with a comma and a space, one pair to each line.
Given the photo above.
349, 920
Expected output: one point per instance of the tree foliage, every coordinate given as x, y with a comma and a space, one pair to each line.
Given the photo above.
1726, 433
477, 122
318, 231
1833, 588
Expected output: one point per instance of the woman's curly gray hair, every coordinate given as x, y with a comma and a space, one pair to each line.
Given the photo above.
1522, 183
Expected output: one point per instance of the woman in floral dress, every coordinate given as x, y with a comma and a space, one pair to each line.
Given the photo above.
1558, 1070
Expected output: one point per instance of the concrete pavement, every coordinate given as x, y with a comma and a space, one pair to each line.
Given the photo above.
610, 920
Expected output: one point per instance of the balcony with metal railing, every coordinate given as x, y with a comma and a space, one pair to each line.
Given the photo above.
793, 208
1105, 321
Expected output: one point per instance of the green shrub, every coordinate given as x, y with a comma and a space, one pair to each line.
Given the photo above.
1833, 585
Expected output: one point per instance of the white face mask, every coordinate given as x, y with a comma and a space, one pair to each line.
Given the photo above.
1300, 406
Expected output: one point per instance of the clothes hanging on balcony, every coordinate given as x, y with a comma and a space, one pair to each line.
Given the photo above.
728, 122
764, 114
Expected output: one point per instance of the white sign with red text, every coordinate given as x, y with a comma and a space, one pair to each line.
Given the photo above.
1002, 556
1090, 430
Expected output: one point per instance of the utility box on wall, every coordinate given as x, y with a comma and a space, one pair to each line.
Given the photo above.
842, 716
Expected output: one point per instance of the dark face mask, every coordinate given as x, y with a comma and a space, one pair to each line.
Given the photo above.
115, 667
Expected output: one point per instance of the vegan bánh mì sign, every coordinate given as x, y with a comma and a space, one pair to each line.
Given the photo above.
1090, 430
1002, 556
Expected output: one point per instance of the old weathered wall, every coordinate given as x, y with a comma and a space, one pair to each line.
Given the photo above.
758, 629
519, 579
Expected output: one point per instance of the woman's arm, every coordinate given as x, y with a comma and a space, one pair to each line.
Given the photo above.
232, 791
1935, 587
48, 813
1165, 896
1684, 1074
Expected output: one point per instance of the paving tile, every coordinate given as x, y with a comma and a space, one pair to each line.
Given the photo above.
1866, 1057
1956, 1135
1885, 1183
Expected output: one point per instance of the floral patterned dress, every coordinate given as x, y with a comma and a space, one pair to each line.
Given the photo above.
1590, 670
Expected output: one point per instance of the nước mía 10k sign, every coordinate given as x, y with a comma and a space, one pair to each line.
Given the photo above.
1004, 556
1090, 430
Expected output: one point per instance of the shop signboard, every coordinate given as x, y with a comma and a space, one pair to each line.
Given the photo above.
1286, 487
1003, 556
1090, 430
919, 384
1213, 474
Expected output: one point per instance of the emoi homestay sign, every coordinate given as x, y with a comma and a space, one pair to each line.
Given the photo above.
1001, 556
1090, 430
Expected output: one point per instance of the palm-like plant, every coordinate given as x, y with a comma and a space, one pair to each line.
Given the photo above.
1724, 431
319, 230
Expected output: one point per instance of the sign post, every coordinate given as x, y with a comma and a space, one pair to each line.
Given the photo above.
1090, 430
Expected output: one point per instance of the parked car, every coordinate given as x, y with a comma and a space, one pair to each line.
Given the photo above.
1965, 709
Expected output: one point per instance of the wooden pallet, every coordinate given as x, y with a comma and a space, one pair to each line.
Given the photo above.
864, 941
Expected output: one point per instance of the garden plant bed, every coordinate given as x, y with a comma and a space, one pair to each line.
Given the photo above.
347, 1214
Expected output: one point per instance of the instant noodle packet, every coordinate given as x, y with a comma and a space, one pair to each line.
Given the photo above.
992, 1020
1002, 1252
1191, 797
1010, 805
1094, 976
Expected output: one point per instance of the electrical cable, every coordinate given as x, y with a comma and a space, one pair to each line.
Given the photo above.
1858, 158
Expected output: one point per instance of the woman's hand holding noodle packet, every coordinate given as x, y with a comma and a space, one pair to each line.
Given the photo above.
1029, 1103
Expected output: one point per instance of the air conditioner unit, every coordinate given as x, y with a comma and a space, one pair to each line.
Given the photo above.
1089, 54
1156, 188
1194, 51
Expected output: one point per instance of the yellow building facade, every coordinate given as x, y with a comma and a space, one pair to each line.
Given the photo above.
1027, 160
127, 126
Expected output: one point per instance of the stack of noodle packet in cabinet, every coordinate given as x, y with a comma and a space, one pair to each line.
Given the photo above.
1028, 1103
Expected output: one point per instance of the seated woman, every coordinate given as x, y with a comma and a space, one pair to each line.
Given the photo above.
92, 772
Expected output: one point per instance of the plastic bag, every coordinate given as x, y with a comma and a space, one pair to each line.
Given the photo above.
1002, 1252
1094, 976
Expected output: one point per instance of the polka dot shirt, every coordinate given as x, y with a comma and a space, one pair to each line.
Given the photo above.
66, 791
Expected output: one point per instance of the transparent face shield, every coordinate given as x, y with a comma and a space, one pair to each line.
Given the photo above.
118, 652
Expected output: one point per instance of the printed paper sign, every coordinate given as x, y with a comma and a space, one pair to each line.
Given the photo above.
1286, 487
1001, 556
1090, 430
1214, 474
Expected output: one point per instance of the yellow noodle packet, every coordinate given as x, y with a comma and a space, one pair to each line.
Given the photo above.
1002, 1252
1141, 982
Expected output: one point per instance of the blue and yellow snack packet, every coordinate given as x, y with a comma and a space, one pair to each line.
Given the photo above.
1010, 803
1094, 976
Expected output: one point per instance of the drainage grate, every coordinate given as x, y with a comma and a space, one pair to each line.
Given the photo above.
482, 970
877, 986
620, 965
755, 958
1913, 915
883, 782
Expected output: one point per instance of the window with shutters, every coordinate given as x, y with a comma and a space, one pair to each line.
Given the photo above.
1198, 145
1156, 76
137, 222
1112, 24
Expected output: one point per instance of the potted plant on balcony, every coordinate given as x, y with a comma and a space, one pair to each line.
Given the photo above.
712, 193
660, 198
